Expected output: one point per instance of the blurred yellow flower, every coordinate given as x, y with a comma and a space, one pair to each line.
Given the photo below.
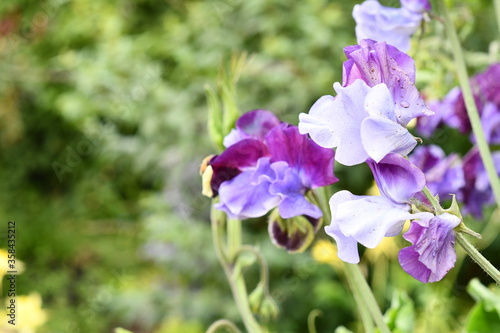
373, 190
4, 263
28, 317
325, 252
387, 249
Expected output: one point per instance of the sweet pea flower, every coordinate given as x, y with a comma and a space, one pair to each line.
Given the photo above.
269, 164
365, 220
392, 25
378, 62
361, 122
417, 6
432, 254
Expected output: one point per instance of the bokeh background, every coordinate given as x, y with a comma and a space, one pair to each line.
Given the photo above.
103, 127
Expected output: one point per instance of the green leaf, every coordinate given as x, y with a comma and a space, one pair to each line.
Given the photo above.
122, 330
485, 315
401, 315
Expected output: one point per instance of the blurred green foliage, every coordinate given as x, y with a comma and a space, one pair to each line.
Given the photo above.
103, 125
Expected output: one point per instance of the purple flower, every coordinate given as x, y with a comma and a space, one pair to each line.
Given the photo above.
432, 254
489, 84
241, 156
378, 62
366, 220
443, 174
397, 178
248, 195
477, 191
453, 113
361, 122
490, 121
253, 124
417, 6
276, 166
444, 114
392, 25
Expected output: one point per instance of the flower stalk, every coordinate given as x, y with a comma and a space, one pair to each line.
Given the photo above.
362, 293
478, 257
232, 268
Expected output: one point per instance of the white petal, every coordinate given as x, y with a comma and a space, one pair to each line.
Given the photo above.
379, 102
317, 123
381, 136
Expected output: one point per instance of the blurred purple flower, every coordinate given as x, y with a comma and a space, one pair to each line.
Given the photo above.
392, 25
366, 220
489, 84
432, 254
490, 121
451, 111
275, 167
477, 191
361, 122
378, 62
443, 174
417, 6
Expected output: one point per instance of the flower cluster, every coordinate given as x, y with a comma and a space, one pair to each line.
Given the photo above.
392, 25
467, 178
453, 113
269, 164
366, 123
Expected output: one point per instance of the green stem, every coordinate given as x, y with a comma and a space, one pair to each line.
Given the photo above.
497, 14
362, 293
310, 320
233, 238
223, 323
478, 257
472, 112
432, 199
364, 290
233, 272
364, 313
264, 270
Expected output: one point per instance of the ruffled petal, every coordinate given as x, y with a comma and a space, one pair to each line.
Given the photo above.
317, 123
253, 124
397, 178
291, 191
234, 160
247, 195
349, 114
347, 246
369, 218
432, 254
313, 164
378, 102
381, 136
379, 62
393, 25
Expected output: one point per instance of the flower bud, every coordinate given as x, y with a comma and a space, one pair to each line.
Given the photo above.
294, 234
